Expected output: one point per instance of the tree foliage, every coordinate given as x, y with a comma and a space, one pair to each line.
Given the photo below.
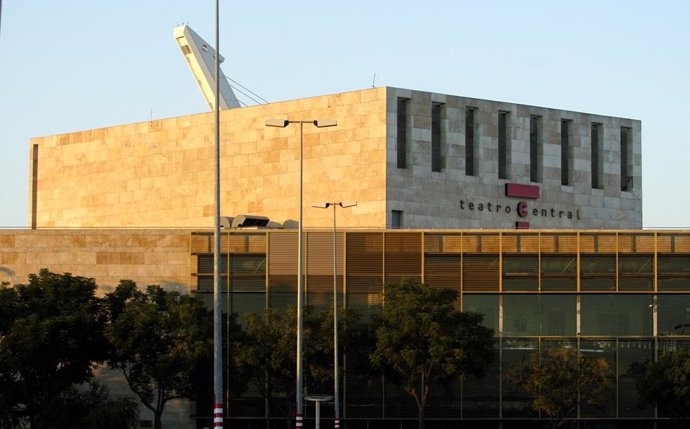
422, 338
666, 383
267, 355
161, 343
51, 336
559, 377
91, 406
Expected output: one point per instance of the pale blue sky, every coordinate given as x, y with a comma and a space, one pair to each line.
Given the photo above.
77, 64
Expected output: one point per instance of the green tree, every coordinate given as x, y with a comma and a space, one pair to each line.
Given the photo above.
560, 378
162, 342
91, 406
319, 347
422, 338
267, 355
666, 383
51, 337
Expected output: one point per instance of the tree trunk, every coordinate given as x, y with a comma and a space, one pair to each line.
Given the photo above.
421, 402
157, 423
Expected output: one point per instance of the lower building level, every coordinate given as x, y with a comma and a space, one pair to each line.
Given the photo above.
620, 295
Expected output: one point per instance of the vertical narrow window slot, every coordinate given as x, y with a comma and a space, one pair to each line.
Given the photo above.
626, 156
504, 149
535, 149
566, 152
436, 137
402, 132
596, 157
469, 141
396, 219
34, 185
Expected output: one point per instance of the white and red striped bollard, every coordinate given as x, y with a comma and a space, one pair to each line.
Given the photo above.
336, 423
298, 421
217, 416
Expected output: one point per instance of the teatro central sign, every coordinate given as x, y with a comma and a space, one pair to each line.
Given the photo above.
522, 208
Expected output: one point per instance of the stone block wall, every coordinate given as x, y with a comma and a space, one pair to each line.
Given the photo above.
160, 173
452, 199
146, 256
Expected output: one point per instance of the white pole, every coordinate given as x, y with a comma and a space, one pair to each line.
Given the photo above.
217, 303
318, 414
300, 384
336, 376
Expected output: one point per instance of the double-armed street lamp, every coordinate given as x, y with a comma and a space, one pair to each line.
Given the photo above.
282, 123
336, 376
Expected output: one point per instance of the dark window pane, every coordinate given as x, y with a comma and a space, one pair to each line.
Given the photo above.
436, 136
626, 155
558, 315
533, 315
469, 141
486, 305
367, 305
396, 219
204, 284
616, 315
517, 353
248, 264
596, 156
248, 284
480, 396
402, 133
631, 354
480, 273
597, 272
674, 272
534, 148
205, 264
282, 301
520, 272
558, 272
521, 315
565, 153
600, 349
636, 272
442, 271
503, 146
674, 314
243, 304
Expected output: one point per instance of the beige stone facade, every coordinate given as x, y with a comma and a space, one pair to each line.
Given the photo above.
107, 255
160, 173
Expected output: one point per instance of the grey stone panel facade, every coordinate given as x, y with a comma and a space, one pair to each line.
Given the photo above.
452, 199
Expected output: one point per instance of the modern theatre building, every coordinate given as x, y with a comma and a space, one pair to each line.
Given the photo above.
533, 214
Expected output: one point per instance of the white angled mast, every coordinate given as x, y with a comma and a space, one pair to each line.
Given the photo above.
200, 57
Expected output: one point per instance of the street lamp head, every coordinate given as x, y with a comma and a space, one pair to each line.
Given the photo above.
346, 204
321, 205
279, 123
323, 123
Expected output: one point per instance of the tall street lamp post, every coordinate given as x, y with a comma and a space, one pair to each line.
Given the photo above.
336, 375
217, 305
282, 123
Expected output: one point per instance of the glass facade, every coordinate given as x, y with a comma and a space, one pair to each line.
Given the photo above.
620, 295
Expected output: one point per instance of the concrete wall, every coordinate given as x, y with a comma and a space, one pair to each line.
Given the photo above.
432, 199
